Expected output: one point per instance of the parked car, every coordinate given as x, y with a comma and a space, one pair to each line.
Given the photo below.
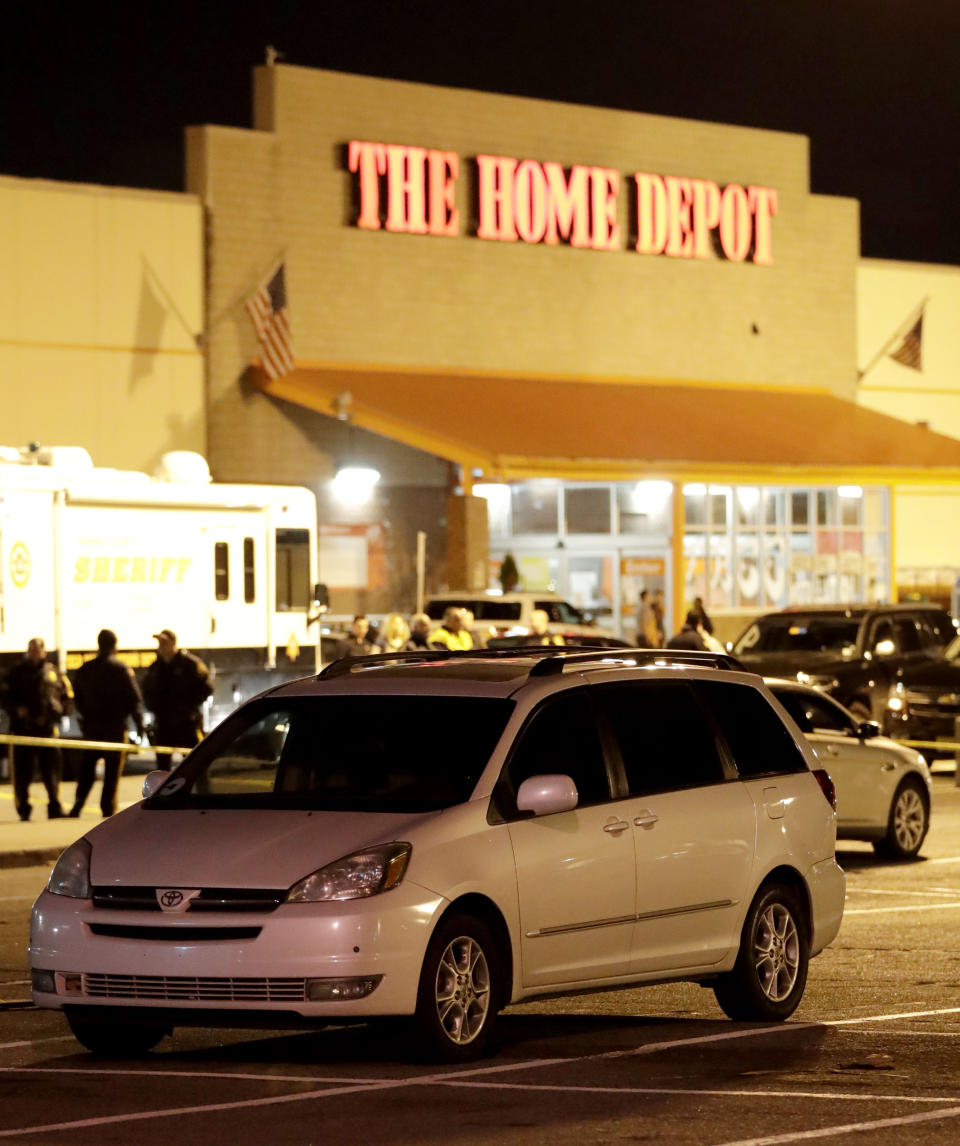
855, 653
586, 820
510, 614
884, 792
923, 702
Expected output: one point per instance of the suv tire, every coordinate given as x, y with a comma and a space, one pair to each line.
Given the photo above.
768, 978
460, 991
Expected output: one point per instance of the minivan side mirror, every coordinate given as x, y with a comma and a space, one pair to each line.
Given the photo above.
153, 782
868, 729
321, 597
545, 795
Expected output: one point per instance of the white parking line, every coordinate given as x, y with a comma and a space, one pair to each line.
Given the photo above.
944, 859
30, 1042
902, 907
933, 892
455, 1077
698, 1093
848, 1128
222, 1074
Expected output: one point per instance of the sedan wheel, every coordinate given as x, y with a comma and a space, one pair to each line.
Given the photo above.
769, 976
907, 825
457, 999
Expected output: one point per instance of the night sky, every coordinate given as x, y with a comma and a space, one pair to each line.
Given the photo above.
101, 93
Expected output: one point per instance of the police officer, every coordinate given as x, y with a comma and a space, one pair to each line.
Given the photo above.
174, 689
452, 635
107, 696
36, 695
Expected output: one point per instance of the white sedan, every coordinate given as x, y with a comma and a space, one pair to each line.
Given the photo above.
884, 791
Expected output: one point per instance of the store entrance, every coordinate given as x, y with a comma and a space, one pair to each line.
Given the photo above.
605, 583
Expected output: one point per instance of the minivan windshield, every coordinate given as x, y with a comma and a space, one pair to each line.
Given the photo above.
799, 634
342, 753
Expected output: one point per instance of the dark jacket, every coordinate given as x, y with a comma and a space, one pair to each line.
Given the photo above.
174, 690
687, 638
42, 690
106, 695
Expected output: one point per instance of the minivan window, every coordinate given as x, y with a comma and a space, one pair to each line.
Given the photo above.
759, 740
800, 634
560, 738
665, 738
341, 753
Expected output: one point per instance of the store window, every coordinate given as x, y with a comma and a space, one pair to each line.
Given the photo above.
766, 547
587, 509
535, 507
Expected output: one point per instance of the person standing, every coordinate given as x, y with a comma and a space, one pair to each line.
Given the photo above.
174, 689
37, 696
648, 636
540, 633
451, 635
420, 631
690, 636
107, 696
705, 623
395, 635
357, 644
659, 607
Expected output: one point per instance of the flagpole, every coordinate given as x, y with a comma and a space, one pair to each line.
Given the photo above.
898, 333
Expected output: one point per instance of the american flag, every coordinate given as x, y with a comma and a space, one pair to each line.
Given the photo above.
909, 351
267, 308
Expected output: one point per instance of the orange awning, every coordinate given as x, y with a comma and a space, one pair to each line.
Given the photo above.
511, 427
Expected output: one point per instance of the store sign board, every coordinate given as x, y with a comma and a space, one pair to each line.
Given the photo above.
413, 190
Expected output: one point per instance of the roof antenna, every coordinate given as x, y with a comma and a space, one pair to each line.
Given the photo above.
273, 55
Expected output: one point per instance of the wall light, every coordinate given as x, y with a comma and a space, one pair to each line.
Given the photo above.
353, 485
650, 497
853, 491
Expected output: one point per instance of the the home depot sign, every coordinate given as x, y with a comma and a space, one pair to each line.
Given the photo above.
413, 190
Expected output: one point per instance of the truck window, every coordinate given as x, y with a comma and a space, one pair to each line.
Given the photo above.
293, 570
221, 570
249, 577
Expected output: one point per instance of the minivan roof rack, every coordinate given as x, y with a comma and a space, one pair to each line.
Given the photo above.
551, 659
558, 659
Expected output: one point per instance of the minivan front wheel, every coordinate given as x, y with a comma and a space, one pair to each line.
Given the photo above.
769, 976
116, 1040
459, 990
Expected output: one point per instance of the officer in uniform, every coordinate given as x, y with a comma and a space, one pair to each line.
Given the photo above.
107, 696
36, 695
174, 689
452, 634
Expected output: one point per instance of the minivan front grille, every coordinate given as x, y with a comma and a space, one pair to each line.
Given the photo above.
238, 899
183, 988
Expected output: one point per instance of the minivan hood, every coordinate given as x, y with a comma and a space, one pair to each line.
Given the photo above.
932, 674
233, 848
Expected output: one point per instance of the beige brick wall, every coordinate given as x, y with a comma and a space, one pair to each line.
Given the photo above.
101, 292
392, 299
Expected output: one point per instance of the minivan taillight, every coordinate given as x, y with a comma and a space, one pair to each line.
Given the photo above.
827, 786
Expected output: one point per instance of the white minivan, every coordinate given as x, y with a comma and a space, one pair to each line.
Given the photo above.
569, 822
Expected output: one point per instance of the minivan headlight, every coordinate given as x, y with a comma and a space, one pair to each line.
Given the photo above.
355, 876
71, 872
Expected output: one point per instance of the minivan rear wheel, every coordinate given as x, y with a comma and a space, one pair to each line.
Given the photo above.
769, 976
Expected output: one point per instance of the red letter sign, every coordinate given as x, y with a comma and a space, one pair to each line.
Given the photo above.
496, 198
370, 160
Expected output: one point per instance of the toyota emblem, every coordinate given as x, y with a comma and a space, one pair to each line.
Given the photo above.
175, 898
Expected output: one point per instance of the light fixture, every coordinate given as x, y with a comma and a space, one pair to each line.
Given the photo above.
649, 497
353, 485
694, 489
851, 491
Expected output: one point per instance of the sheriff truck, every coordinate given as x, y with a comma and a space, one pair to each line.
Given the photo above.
231, 569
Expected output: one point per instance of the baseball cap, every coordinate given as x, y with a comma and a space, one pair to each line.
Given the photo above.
167, 634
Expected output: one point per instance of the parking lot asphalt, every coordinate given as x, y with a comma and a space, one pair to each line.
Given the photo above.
872, 1050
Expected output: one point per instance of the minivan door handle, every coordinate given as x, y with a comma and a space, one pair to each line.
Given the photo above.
646, 819
615, 826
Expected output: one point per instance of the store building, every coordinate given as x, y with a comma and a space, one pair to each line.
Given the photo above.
635, 336
625, 349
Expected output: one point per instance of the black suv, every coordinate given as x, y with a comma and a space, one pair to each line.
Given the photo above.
862, 655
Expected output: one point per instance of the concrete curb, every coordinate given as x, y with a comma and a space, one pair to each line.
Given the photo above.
31, 857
